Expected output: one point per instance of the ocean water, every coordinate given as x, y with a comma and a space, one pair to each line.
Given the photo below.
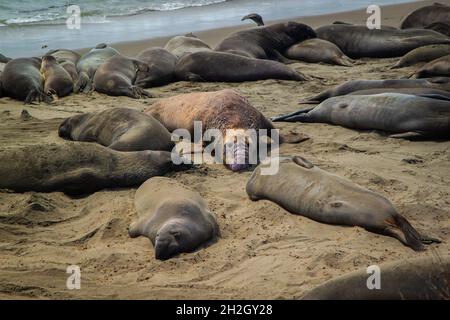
32, 27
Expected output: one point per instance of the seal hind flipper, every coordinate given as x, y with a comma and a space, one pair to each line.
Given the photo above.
413, 238
39, 95
302, 162
283, 117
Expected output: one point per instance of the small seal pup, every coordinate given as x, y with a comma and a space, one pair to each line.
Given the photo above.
227, 67
121, 129
116, 77
390, 112
423, 54
304, 189
57, 81
423, 278
161, 64
174, 218
22, 80
181, 45
79, 167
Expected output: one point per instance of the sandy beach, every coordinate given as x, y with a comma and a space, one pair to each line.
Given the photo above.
265, 252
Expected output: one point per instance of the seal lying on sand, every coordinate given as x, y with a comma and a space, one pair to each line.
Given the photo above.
421, 92
22, 80
161, 64
226, 67
223, 110
268, 42
57, 81
174, 218
117, 75
425, 16
424, 278
440, 83
318, 50
436, 68
118, 128
65, 54
389, 112
423, 54
187, 44
88, 64
304, 189
359, 42
78, 167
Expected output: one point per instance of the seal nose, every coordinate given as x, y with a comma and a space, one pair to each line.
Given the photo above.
62, 132
162, 250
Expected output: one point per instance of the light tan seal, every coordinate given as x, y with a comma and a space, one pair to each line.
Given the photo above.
57, 81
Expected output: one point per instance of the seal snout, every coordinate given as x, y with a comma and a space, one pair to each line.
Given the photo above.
164, 249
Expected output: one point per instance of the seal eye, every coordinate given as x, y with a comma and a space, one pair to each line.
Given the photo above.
176, 235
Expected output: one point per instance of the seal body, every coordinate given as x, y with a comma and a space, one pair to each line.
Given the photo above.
188, 44
358, 41
174, 218
88, 64
436, 68
22, 80
423, 54
304, 189
117, 75
161, 64
226, 67
65, 54
424, 278
389, 112
318, 50
57, 81
421, 92
425, 16
222, 110
118, 128
266, 42
76, 167
440, 83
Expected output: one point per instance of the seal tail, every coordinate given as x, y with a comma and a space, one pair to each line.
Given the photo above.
413, 238
290, 115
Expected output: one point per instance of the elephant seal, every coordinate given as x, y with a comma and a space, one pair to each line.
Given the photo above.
22, 80
360, 42
187, 44
304, 189
88, 64
425, 16
318, 50
78, 167
161, 65
268, 42
224, 110
121, 129
437, 68
116, 77
70, 68
174, 218
57, 81
441, 27
423, 278
389, 112
64, 54
227, 67
255, 18
423, 54
4, 59
421, 92
441, 83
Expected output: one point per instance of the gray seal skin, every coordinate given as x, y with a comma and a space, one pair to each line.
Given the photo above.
318, 50
441, 27
161, 65
304, 189
425, 16
421, 92
22, 80
57, 81
78, 167
423, 54
389, 112
174, 218
88, 64
424, 278
441, 83
121, 129
437, 68
359, 42
65, 54
116, 77
267, 42
227, 67
181, 45
70, 67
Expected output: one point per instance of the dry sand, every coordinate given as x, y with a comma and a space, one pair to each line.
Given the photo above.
264, 252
